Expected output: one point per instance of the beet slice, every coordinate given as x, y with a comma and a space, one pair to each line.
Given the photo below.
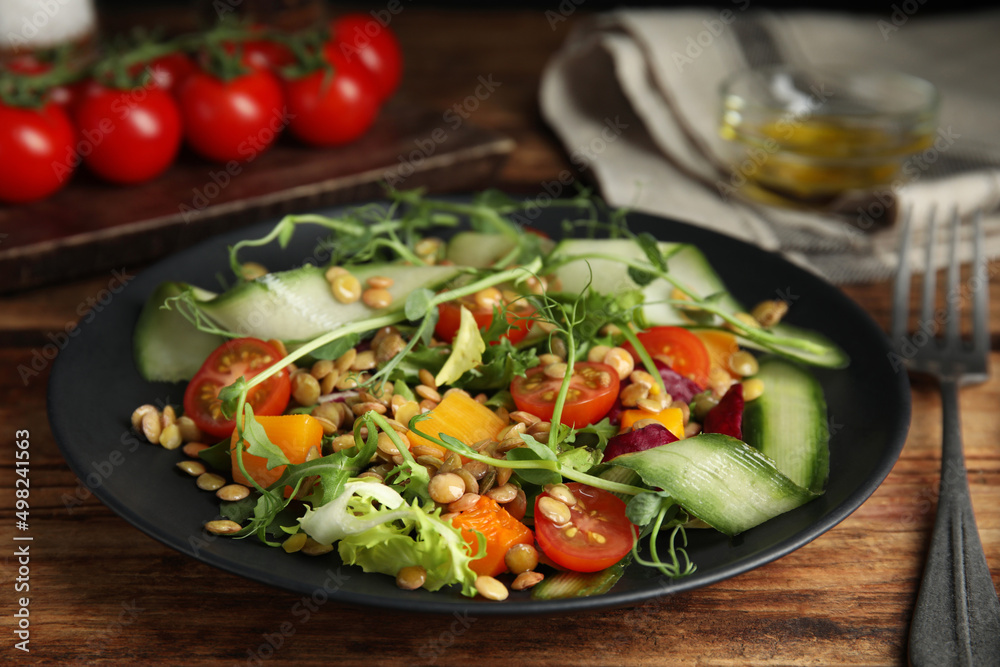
639, 440
727, 416
679, 387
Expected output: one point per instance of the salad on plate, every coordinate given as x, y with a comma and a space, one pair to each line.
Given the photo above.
445, 396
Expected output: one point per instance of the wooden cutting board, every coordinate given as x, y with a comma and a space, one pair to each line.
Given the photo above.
91, 226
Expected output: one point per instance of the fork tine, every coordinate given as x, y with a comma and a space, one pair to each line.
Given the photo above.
981, 290
930, 272
901, 289
952, 296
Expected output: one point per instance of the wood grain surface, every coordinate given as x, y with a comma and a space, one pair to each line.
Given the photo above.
104, 593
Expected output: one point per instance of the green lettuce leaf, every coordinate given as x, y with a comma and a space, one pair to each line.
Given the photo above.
392, 536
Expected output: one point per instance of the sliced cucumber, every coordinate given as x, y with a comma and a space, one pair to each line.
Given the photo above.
689, 266
291, 306
788, 423
166, 347
298, 305
563, 585
724, 482
477, 249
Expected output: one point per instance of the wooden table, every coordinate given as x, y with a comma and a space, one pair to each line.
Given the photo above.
104, 593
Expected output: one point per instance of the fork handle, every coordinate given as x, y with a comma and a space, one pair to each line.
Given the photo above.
957, 617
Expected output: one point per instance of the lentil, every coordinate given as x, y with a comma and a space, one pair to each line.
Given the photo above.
139, 413
193, 468
521, 558
491, 588
376, 298
189, 430
314, 548
752, 389
380, 282
411, 578
429, 393
170, 437
252, 270
305, 389
562, 493
223, 527
294, 543
232, 492
554, 510
192, 448
345, 287
346, 360
466, 502
151, 426
427, 378
620, 360
446, 488
597, 353
768, 313
743, 363
209, 481
504, 493
526, 580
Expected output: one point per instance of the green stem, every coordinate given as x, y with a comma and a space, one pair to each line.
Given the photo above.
540, 464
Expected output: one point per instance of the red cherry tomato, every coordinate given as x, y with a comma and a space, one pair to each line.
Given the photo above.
127, 136
329, 109
363, 39
170, 71
33, 144
266, 55
685, 352
232, 120
238, 357
593, 389
603, 534
518, 315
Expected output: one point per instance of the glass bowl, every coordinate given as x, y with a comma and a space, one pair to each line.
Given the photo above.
810, 135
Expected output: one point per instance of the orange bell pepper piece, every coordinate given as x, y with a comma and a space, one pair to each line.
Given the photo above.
502, 531
461, 417
295, 435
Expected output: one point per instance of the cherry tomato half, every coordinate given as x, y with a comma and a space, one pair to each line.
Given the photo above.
518, 315
329, 109
36, 152
592, 391
238, 357
597, 536
363, 39
127, 136
232, 120
683, 351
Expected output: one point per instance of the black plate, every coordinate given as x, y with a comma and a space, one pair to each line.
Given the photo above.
94, 388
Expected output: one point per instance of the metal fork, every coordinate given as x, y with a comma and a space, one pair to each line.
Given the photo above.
957, 617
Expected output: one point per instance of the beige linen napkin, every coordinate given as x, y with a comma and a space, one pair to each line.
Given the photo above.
634, 96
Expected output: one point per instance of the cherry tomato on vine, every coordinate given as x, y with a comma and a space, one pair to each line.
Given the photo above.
31, 142
170, 71
231, 120
363, 39
518, 315
265, 54
332, 108
686, 352
592, 391
127, 136
245, 357
603, 535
